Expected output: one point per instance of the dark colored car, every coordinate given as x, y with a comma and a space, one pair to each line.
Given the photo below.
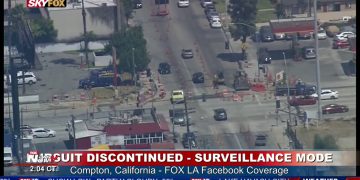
334, 108
289, 37
137, 4
208, 7
261, 140
264, 56
187, 53
340, 44
302, 101
304, 35
164, 68
198, 77
266, 34
220, 78
100, 81
220, 114
177, 116
189, 139
309, 52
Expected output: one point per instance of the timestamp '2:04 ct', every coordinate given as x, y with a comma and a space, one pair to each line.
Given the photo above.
37, 169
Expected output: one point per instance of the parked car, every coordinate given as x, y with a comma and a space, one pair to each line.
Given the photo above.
137, 4
215, 23
104, 80
321, 34
264, 56
334, 108
340, 44
27, 77
210, 11
198, 77
279, 36
309, 52
220, 114
219, 78
302, 101
189, 139
164, 68
266, 34
289, 37
177, 96
183, 3
212, 14
42, 132
8, 156
205, 3
327, 94
261, 140
187, 53
209, 7
343, 36
178, 116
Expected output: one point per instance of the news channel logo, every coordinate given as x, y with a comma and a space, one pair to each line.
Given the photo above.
46, 3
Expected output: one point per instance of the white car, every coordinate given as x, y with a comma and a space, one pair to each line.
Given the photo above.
183, 3
327, 94
215, 18
321, 34
42, 132
215, 24
345, 35
28, 78
206, 2
279, 36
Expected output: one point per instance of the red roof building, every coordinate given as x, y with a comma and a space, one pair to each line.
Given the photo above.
290, 26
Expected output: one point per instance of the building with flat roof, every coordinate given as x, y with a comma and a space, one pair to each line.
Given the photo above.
290, 26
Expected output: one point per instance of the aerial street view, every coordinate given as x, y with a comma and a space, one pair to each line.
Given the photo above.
179, 74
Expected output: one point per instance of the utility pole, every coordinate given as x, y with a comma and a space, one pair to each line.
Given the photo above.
73, 130
85, 34
172, 120
317, 63
133, 66
187, 121
288, 90
14, 93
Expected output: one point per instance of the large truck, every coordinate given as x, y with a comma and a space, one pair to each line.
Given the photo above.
300, 89
104, 79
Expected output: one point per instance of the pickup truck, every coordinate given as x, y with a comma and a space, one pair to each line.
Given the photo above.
302, 101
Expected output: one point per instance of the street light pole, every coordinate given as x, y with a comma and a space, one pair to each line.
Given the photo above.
317, 63
85, 34
73, 130
288, 89
187, 121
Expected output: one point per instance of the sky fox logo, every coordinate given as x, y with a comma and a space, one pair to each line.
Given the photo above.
45, 3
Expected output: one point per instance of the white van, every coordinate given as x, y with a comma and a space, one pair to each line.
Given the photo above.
8, 157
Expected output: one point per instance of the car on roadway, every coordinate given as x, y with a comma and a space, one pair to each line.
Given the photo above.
137, 4
42, 132
321, 34
264, 56
261, 140
334, 108
220, 114
204, 3
189, 139
266, 34
198, 77
341, 44
23, 77
183, 3
187, 53
302, 101
327, 94
177, 96
279, 36
164, 68
215, 23
212, 14
209, 7
178, 116
309, 52
345, 35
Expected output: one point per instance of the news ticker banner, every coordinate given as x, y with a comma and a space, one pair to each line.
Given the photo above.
193, 178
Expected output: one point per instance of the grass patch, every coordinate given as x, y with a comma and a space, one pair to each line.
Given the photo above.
265, 16
220, 6
264, 4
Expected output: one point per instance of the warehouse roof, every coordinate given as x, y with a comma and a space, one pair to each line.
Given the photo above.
292, 25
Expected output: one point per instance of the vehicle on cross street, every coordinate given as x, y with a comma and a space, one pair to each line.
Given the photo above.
309, 52
187, 53
177, 96
204, 3
183, 3
220, 114
341, 44
164, 68
42, 132
189, 139
198, 77
302, 101
334, 108
327, 94
27, 77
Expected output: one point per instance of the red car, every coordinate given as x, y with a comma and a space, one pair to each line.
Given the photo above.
334, 108
302, 101
341, 44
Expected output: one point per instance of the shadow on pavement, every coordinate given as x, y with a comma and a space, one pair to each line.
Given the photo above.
51, 147
349, 68
230, 57
278, 54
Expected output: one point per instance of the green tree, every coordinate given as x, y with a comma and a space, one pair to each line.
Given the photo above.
242, 12
43, 30
128, 10
326, 143
124, 44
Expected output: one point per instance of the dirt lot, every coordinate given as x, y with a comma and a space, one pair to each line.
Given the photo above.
344, 132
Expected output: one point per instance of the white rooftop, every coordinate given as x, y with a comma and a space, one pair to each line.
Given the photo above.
88, 133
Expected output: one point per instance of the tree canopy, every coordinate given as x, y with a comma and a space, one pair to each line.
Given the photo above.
325, 143
128, 9
43, 30
124, 44
243, 15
